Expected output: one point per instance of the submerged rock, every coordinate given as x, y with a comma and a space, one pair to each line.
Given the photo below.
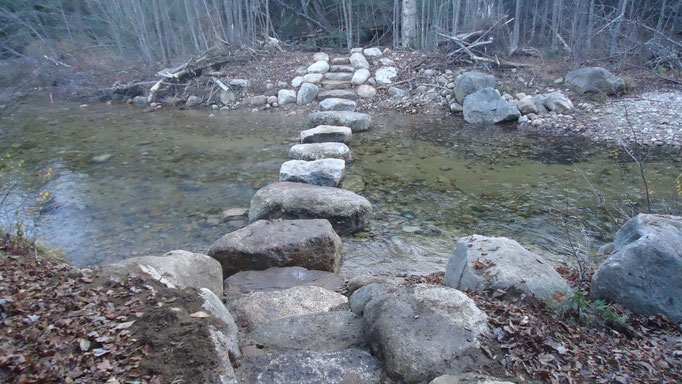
255, 309
345, 210
595, 80
480, 263
644, 271
325, 172
356, 121
263, 244
423, 331
317, 151
488, 107
470, 82
327, 133
277, 279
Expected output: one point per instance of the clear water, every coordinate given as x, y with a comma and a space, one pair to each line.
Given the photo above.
124, 183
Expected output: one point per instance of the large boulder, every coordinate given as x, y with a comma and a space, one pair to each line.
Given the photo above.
527, 105
345, 210
277, 279
306, 94
479, 263
488, 107
337, 104
360, 76
363, 295
372, 52
282, 243
470, 82
327, 133
595, 80
325, 172
349, 366
317, 151
255, 309
557, 102
319, 67
422, 331
366, 91
385, 75
178, 269
356, 121
644, 271
327, 331
358, 60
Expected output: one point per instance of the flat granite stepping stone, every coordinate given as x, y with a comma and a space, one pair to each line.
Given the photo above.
325, 172
339, 76
338, 93
342, 67
346, 211
280, 278
337, 104
340, 61
337, 84
327, 133
263, 244
356, 121
317, 151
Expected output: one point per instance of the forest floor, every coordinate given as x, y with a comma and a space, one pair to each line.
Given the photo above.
61, 324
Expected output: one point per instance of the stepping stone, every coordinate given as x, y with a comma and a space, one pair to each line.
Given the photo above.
336, 84
263, 244
340, 61
280, 278
336, 104
255, 309
342, 68
317, 151
354, 120
327, 331
339, 76
337, 93
312, 367
325, 172
345, 210
327, 133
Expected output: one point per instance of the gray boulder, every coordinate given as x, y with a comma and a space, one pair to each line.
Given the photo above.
345, 210
306, 94
557, 102
263, 244
255, 309
286, 96
366, 91
372, 52
422, 331
488, 107
259, 100
470, 82
227, 97
396, 93
359, 281
297, 81
321, 56
315, 78
356, 121
350, 366
644, 271
479, 263
360, 76
321, 66
277, 279
595, 80
140, 100
193, 101
325, 172
358, 60
359, 299
177, 269
327, 133
214, 306
327, 331
317, 151
385, 75
336, 104
527, 105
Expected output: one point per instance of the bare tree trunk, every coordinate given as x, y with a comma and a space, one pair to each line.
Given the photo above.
409, 24
661, 16
517, 27
616, 33
457, 5
396, 23
590, 28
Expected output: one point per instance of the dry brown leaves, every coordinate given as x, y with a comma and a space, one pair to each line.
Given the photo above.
55, 329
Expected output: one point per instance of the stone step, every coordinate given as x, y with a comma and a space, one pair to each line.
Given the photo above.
336, 84
338, 76
324, 172
346, 211
354, 120
336, 104
327, 133
341, 68
340, 61
318, 151
337, 93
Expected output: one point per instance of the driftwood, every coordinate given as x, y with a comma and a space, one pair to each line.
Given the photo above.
467, 48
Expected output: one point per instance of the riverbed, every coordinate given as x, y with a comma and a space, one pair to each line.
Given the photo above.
107, 182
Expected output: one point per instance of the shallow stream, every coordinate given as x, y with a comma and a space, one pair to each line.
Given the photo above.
125, 183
